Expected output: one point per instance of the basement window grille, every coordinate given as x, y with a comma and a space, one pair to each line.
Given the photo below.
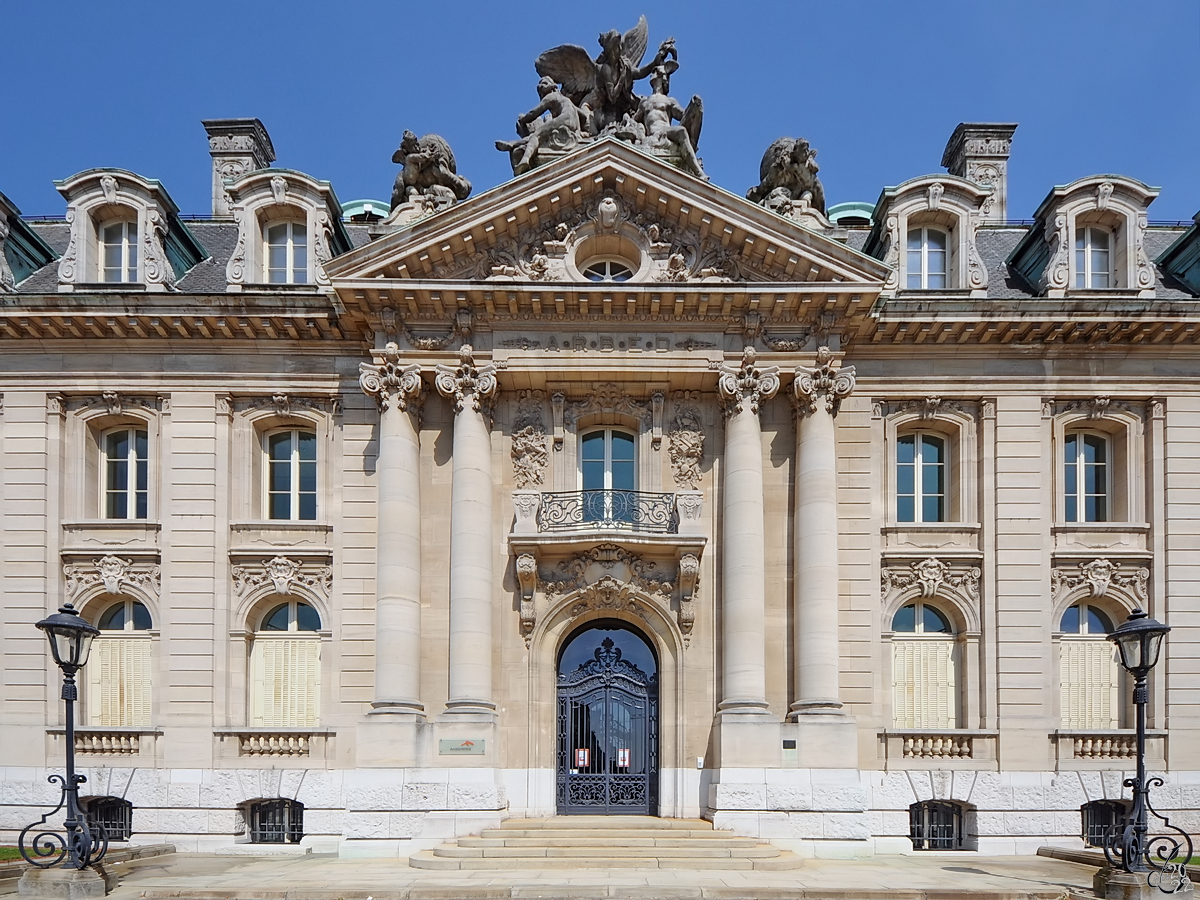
936, 825
276, 822
114, 815
1098, 817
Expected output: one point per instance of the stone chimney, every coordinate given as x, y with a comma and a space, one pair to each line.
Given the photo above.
237, 146
978, 152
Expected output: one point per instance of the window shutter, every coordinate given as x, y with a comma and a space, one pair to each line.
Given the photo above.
137, 682
925, 684
903, 684
1089, 685
286, 679
95, 683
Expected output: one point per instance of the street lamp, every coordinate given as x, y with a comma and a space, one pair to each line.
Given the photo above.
1139, 640
70, 642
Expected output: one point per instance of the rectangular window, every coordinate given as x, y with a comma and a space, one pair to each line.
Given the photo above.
292, 475
1085, 478
920, 478
287, 253
119, 252
126, 474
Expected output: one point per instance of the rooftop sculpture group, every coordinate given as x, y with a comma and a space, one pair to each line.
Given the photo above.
583, 99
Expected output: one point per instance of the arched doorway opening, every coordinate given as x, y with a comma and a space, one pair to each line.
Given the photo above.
607, 722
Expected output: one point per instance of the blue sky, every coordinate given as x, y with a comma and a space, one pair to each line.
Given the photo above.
877, 87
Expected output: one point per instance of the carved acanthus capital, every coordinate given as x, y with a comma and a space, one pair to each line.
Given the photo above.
1099, 575
747, 386
115, 573
391, 382
824, 383
467, 383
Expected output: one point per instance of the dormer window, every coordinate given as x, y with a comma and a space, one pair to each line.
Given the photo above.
928, 253
286, 254
119, 252
1093, 257
610, 269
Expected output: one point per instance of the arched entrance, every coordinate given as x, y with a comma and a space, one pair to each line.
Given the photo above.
607, 722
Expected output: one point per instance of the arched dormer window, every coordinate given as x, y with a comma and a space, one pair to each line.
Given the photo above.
118, 255
1093, 257
924, 668
927, 259
118, 672
285, 255
285, 666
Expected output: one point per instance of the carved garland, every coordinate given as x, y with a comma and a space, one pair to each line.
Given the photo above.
283, 574
114, 573
1099, 575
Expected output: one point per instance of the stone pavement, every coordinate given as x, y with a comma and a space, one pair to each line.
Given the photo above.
313, 877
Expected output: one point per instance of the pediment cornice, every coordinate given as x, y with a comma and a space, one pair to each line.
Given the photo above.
524, 234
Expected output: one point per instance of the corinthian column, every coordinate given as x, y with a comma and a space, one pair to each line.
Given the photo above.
472, 390
819, 392
398, 390
743, 561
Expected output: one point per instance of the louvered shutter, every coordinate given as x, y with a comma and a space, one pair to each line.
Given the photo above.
286, 682
925, 684
119, 682
1089, 685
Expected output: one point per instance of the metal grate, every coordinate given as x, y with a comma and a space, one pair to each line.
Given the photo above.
114, 815
936, 825
276, 821
1099, 817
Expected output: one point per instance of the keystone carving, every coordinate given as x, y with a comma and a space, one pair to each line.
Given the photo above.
606, 397
114, 573
932, 577
467, 383
530, 454
571, 574
1099, 575
283, 574
747, 386
391, 382
609, 594
822, 381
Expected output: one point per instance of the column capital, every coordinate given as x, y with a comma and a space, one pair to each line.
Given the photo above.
391, 382
747, 385
467, 382
823, 381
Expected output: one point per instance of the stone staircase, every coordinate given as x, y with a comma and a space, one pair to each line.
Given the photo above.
605, 842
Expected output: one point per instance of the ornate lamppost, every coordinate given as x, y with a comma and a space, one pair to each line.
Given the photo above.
85, 843
1161, 859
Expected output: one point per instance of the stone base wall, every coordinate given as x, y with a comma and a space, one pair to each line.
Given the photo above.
396, 812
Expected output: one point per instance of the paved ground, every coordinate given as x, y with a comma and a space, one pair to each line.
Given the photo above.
207, 877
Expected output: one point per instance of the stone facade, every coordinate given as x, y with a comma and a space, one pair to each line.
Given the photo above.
766, 365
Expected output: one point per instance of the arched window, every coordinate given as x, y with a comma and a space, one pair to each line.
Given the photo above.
608, 475
285, 667
125, 462
928, 255
291, 483
608, 269
119, 252
1093, 257
1085, 477
924, 678
936, 825
921, 469
1089, 677
118, 671
286, 256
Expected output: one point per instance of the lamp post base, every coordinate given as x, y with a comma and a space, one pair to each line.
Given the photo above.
1113, 884
62, 884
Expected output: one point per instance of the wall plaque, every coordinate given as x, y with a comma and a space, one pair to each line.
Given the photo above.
465, 747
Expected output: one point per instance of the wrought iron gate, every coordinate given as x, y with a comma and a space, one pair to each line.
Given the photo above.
607, 737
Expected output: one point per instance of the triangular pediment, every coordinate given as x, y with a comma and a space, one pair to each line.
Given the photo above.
607, 200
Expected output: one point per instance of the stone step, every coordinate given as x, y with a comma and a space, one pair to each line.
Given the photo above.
623, 823
568, 834
425, 859
599, 851
496, 838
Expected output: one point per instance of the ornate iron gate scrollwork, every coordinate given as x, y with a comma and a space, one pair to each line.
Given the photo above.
607, 737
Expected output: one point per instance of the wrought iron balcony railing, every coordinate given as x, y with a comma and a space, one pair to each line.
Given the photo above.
633, 510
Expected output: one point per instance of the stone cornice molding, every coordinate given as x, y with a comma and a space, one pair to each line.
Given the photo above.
391, 382
283, 575
467, 383
822, 381
746, 386
117, 575
1099, 576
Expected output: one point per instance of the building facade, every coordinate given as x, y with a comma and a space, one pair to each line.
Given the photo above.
605, 490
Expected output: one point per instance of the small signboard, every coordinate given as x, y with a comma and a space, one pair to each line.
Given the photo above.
623, 758
466, 747
582, 757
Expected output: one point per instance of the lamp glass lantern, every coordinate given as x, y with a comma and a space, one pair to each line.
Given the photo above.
1139, 640
70, 637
